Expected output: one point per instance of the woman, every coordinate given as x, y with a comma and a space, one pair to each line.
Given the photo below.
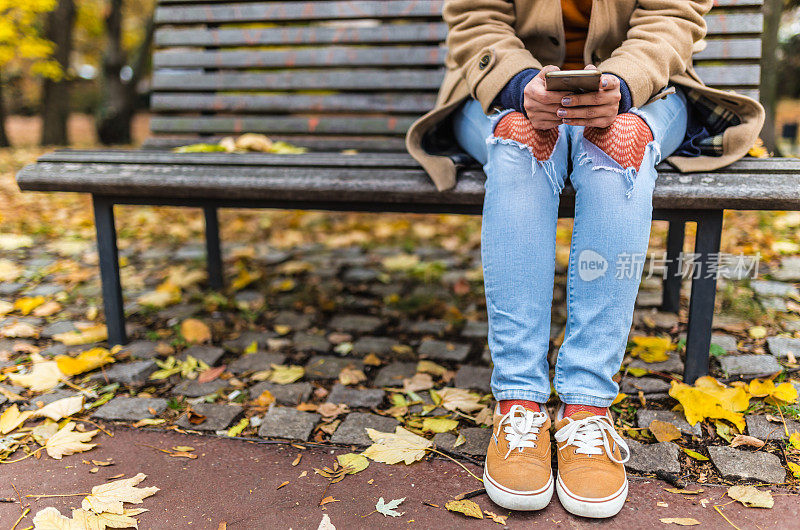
493, 104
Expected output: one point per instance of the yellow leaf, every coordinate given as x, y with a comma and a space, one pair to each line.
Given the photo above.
44, 375
652, 349
51, 519
757, 332
794, 440
351, 376
92, 521
283, 374
400, 262
19, 330
751, 497
418, 382
680, 521
637, 372
110, 496
45, 310
195, 331
237, 429
785, 392
84, 362
28, 303
794, 468
392, 448
61, 408
5, 307
430, 367
465, 506
459, 399
165, 294
620, 397
13, 418
244, 278
695, 455
87, 335
354, 461
66, 441
761, 387
438, 425
758, 150
664, 431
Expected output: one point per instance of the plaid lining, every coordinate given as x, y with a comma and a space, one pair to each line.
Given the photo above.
715, 118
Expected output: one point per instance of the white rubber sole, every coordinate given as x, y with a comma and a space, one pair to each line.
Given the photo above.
595, 508
518, 500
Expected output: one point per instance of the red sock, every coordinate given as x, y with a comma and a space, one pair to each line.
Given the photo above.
573, 408
506, 404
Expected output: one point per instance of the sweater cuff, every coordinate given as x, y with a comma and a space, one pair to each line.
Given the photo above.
626, 101
512, 96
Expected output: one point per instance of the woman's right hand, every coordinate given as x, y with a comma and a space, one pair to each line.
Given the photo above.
541, 105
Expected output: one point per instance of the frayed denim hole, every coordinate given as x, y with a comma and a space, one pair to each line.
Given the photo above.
599, 159
547, 166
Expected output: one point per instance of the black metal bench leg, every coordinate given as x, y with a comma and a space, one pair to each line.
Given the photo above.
671, 287
109, 269
704, 290
213, 251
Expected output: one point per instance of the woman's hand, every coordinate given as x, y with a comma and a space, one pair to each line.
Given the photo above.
540, 105
593, 109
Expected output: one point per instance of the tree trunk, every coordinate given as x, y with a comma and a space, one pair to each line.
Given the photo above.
55, 94
3, 138
119, 96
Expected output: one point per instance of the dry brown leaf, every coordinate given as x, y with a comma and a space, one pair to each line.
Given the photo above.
282, 484
750, 441
683, 491
195, 331
465, 506
110, 496
420, 381
211, 374
327, 500
499, 519
330, 410
751, 497
664, 431
351, 376
66, 442
400, 446
680, 521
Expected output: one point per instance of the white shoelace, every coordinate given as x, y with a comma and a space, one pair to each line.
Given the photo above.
521, 427
591, 434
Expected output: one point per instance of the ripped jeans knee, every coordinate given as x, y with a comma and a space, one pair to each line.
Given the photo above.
515, 126
625, 140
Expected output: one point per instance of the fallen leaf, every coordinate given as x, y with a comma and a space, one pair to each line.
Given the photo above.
66, 442
751, 497
711, 399
784, 392
652, 349
211, 374
13, 418
458, 399
85, 361
327, 500
110, 496
61, 408
499, 519
282, 484
351, 376
165, 294
620, 397
430, 367
680, 521
195, 331
757, 332
750, 441
330, 410
664, 431
683, 491
354, 462
43, 376
465, 506
86, 335
264, 400
439, 425
372, 360
283, 374
388, 508
794, 468
694, 454
26, 304
419, 381
400, 446
794, 440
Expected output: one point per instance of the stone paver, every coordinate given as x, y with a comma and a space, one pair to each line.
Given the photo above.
376, 345
135, 373
291, 394
652, 458
658, 318
781, 347
191, 388
49, 397
763, 429
645, 416
208, 354
354, 397
351, 430
768, 288
647, 385
672, 365
441, 350
477, 440
749, 364
735, 463
648, 299
310, 342
62, 326
255, 362
243, 341
296, 321
475, 329
474, 377
142, 349
130, 408
427, 327
355, 323
328, 367
284, 422
393, 374
218, 417
789, 270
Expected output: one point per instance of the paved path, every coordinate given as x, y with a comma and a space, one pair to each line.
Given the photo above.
235, 481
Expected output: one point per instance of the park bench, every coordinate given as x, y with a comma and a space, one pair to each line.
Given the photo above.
353, 75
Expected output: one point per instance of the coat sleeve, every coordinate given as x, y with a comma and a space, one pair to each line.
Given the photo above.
482, 42
658, 45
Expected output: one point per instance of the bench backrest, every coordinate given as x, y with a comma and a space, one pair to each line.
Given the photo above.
334, 74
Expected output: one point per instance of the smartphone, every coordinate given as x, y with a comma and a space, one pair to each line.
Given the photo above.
577, 81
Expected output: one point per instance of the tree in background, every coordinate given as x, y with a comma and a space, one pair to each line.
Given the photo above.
55, 92
22, 46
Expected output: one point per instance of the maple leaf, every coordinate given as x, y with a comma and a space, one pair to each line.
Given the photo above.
419, 381
351, 376
458, 399
710, 399
85, 361
439, 425
785, 392
52, 519
388, 508
195, 331
652, 349
110, 496
400, 446
283, 374
66, 441
44, 375
13, 418
61, 408
664, 431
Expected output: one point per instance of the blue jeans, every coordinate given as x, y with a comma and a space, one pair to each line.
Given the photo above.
613, 212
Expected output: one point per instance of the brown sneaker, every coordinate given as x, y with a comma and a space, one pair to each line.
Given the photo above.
517, 473
591, 477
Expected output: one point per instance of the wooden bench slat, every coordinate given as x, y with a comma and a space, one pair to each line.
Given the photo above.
322, 124
281, 104
318, 142
304, 57
730, 74
295, 11
721, 189
730, 48
366, 79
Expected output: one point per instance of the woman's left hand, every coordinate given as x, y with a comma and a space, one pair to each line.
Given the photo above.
593, 109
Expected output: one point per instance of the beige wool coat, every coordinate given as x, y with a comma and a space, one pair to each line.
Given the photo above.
648, 43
